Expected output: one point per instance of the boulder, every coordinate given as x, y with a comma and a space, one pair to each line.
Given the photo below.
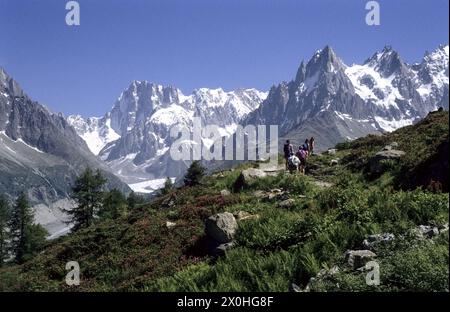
426, 231
287, 203
225, 192
374, 240
332, 151
376, 165
221, 227
358, 258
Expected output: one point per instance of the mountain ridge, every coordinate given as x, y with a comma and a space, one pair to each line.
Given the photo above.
326, 99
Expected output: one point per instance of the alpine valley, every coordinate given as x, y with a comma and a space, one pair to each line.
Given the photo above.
42, 152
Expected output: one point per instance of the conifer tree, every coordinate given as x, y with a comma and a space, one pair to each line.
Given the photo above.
194, 174
114, 205
168, 186
26, 237
88, 194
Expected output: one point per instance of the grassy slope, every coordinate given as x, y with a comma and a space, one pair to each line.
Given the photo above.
282, 246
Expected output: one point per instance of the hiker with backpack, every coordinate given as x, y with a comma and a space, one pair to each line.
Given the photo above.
288, 151
302, 155
293, 163
305, 146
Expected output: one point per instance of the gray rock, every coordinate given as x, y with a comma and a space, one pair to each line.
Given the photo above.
334, 162
170, 225
374, 240
221, 227
324, 272
276, 194
331, 151
428, 231
389, 154
358, 258
225, 192
288, 203
376, 165
443, 228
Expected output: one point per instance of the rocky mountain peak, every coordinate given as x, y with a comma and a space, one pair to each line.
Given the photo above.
387, 62
324, 60
9, 85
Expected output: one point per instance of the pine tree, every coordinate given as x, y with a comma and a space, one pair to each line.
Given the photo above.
168, 186
4, 233
114, 205
26, 237
88, 194
194, 174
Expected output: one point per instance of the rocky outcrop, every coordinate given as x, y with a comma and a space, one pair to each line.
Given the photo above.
221, 227
375, 240
358, 258
388, 153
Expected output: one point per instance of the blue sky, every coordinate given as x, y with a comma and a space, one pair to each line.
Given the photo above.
195, 43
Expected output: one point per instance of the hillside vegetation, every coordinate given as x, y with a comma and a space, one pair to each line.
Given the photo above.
296, 233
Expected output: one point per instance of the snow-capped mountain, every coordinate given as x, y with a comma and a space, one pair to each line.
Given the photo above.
327, 99
134, 138
96, 132
334, 102
41, 155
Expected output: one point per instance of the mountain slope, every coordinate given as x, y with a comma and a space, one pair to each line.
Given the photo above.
40, 153
290, 229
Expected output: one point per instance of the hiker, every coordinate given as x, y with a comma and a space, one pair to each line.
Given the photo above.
302, 154
311, 145
288, 151
293, 163
305, 146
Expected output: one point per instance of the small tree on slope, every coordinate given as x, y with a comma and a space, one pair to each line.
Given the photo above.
88, 194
